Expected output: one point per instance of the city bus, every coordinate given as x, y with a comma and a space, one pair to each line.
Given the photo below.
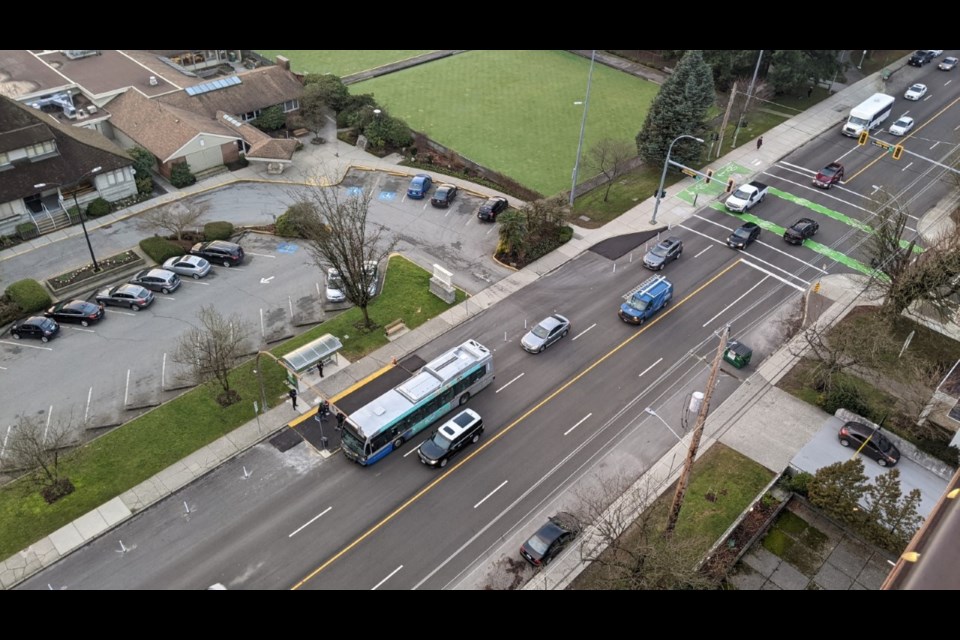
868, 115
448, 381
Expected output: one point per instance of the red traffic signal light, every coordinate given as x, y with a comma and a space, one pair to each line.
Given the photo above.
729, 185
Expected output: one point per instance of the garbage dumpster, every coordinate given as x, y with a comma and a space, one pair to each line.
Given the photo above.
738, 354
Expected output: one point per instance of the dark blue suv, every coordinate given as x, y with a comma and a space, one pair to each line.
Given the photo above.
419, 186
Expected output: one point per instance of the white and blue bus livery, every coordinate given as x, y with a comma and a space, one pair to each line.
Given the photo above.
377, 428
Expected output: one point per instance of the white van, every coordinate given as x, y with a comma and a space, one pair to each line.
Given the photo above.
868, 115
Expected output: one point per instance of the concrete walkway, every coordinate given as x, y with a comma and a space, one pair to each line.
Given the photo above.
737, 421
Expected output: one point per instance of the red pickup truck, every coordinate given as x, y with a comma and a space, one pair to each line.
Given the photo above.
829, 175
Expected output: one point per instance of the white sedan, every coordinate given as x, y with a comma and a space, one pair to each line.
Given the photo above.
936, 52
902, 126
916, 92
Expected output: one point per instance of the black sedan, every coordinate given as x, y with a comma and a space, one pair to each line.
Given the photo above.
491, 208
77, 311
743, 236
126, 295
801, 230
40, 327
551, 539
444, 195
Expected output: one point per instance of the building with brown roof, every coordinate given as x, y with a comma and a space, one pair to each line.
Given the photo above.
44, 163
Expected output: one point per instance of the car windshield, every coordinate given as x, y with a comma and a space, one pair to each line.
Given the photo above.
660, 251
742, 233
440, 441
902, 122
47, 324
829, 172
638, 303
538, 544
740, 193
917, 87
334, 282
541, 331
442, 193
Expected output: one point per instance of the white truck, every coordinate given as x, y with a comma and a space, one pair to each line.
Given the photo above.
746, 196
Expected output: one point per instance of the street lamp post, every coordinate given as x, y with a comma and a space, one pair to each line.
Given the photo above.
583, 124
663, 176
76, 203
665, 423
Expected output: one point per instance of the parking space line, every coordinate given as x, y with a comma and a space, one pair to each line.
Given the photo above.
745, 294
584, 331
126, 392
192, 281
262, 330
84, 330
262, 255
86, 412
29, 346
123, 313
492, 228
46, 427
163, 371
290, 304
4, 368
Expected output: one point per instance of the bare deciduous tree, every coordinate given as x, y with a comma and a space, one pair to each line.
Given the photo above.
174, 218
39, 448
339, 235
610, 157
213, 348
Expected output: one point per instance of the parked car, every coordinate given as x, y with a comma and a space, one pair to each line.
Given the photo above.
455, 434
801, 230
334, 290
902, 126
419, 186
949, 64
157, 280
936, 53
916, 91
370, 266
444, 195
552, 538
126, 295
491, 208
547, 331
228, 254
921, 57
828, 176
743, 235
854, 434
665, 251
193, 266
77, 311
40, 327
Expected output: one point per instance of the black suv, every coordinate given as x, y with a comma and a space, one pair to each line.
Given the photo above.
743, 236
444, 195
665, 251
454, 435
854, 434
921, 57
489, 209
551, 539
219, 252
801, 230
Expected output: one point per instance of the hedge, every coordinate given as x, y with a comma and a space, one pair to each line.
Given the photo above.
29, 295
98, 207
219, 230
160, 249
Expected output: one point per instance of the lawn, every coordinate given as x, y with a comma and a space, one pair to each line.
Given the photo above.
516, 111
127, 456
340, 62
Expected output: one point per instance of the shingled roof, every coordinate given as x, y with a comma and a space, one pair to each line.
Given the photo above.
258, 89
262, 146
79, 150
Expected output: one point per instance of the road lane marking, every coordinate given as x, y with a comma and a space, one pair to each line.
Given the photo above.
773, 275
126, 392
704, 251
86, 412
509, 383
489, 495
390, 575
582, 420
745, 294
505, 430
767, 226
123, 313
308, 522
19, 343
584, 331
650, 367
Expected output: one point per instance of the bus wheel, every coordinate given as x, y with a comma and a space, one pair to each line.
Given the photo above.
464, 398
398, 442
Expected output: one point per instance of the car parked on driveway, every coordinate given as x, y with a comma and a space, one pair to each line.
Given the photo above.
828, 176
491, 208
229, 254
949, 64
444, 195
801, 230
419, 186
665, 251
547, 331
193, 266
39, 327
126, 295
743, 235
916, 91
878, 447
157, 280
455, 434
552, 538
902, 126
76, 311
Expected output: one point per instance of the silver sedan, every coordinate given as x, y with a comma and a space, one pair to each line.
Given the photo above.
193, 266
548, 331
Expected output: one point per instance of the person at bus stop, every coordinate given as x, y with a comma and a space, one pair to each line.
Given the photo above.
293, 397
324, 409
320, 368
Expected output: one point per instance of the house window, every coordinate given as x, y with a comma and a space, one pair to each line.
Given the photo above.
6, 210
291, 105
250, 115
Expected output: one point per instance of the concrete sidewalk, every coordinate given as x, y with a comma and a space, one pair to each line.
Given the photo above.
328, 163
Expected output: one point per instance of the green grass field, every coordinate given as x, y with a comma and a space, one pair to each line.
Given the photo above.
340, 62
515, 111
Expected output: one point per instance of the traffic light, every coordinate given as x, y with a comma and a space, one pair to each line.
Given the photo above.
864, 137
709, 176
897, 151
729, 185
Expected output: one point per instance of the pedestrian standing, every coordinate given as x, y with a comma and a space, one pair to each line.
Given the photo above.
293, 398
324, 409
320, 368
810, 91
340, 419
759, 142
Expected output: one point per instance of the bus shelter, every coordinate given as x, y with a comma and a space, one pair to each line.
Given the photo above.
323, 349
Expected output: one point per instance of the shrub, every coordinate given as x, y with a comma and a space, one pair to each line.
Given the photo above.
271, 119
27, 230
143, 162
144, 185
159, 249
288, 224
97, 208
181, 176
29, 295
798, 483
218, 230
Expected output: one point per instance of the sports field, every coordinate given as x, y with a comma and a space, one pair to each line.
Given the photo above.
516, 111
339, 62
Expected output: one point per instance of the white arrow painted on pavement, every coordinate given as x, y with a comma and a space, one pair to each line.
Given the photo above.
266, 280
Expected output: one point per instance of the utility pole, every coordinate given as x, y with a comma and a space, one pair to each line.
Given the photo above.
697, 434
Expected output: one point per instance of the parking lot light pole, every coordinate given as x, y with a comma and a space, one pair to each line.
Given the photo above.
76, 203
663, 176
